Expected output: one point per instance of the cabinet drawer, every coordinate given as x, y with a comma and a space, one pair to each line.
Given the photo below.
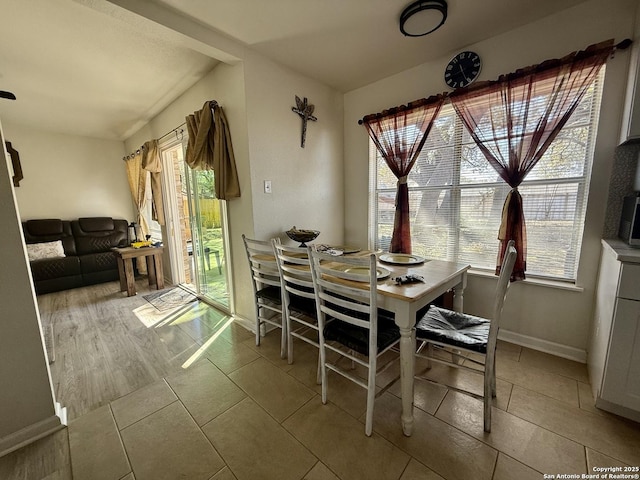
629, 281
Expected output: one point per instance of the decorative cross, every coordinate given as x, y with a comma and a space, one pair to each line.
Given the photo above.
305, 111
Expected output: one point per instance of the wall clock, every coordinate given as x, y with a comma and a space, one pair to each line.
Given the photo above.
463, 69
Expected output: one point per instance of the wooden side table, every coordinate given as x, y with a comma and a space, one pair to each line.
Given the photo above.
125, 256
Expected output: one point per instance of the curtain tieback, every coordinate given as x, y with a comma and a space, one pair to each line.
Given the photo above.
403, 180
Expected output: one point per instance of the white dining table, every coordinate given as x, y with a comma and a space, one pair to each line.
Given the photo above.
405, 300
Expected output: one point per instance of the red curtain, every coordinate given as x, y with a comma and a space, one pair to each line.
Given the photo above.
514, 119
399, 134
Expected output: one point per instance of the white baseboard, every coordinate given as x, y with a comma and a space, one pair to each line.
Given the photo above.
246, 323
618, 409
30, 434
546, 346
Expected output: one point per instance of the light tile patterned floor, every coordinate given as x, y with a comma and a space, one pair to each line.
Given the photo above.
241, 412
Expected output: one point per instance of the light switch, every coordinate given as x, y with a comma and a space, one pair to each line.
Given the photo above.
267, 186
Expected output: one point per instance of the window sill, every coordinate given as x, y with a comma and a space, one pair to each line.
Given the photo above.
539, 282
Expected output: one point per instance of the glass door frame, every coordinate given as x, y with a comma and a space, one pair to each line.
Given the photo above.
176, 255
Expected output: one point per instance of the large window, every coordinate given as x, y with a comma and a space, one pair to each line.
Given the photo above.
456, 197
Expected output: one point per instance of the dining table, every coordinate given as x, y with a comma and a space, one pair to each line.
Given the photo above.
404, 300
436, 277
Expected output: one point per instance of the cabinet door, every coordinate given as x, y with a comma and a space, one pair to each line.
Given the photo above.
622, 371
631, 115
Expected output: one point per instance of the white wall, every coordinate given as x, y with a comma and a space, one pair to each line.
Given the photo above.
69, 176
26, 395
307, 182
225, 83
550, 315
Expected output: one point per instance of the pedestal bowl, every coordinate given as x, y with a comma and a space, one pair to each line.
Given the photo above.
302, 235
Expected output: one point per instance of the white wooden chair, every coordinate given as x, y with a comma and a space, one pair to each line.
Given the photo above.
265, 280
345, 289
298, 296
467, 338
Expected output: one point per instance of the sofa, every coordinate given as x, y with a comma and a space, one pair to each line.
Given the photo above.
66, 254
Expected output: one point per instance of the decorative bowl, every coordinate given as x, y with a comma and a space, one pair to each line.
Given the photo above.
302, 235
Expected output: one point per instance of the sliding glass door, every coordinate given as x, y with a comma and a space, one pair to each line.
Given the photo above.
198, 228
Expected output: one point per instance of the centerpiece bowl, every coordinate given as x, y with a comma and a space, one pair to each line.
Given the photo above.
302, 235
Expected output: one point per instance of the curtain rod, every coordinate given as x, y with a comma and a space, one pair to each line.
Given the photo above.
622, 45
212, 103
172, 130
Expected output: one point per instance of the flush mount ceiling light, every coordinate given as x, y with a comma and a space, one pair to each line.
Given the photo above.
423, 17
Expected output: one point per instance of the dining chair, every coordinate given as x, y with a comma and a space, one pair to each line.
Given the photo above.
468, 339
345, 291
265, 280
298, 296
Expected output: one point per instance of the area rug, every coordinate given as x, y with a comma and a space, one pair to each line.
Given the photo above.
164, 300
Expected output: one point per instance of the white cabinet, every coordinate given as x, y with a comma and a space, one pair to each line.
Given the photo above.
631, 115
614, 353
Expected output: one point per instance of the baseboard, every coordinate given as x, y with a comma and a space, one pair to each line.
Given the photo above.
30, 434
251, 325
557, 349
246, 323
618, 409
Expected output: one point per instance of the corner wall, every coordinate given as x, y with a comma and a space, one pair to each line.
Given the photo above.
69, 176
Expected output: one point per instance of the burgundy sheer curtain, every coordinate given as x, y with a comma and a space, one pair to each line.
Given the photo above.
399, 135
514, 119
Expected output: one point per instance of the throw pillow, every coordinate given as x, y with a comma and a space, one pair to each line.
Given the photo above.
39, 251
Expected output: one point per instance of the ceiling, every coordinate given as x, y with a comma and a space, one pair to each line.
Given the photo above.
90, 67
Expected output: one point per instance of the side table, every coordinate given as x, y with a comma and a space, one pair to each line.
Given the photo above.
125, 256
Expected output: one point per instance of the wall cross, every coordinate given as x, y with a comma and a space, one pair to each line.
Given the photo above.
305, 111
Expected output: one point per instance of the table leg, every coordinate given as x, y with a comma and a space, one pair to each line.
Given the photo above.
407, 367
151, 270
157, 260
458, 294
128, 273
121, 274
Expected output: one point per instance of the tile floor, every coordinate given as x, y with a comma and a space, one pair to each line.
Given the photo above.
240, 412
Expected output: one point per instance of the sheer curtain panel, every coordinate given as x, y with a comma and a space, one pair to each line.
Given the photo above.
399, 135
514, 119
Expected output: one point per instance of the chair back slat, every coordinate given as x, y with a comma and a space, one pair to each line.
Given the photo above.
341, 294
295, 270
262, 261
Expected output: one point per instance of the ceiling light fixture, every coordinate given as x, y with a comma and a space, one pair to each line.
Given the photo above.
423, 17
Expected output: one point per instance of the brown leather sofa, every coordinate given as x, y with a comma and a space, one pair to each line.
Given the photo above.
87, 244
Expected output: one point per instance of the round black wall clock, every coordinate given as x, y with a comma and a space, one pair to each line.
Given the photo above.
463, 69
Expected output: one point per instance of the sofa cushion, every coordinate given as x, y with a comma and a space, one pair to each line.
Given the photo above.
50, 230
99, 234
46, 227
97, 262
52, 268
96, 224
39, 251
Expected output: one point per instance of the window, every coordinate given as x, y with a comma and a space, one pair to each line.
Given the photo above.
456, 197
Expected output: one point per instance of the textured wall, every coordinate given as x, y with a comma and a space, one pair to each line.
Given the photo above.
625, 162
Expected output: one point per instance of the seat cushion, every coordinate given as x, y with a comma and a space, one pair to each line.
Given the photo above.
271, 293
52, 268
454, 328
302, 306
357, 338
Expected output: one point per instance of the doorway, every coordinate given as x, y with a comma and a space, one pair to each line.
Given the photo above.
196, 229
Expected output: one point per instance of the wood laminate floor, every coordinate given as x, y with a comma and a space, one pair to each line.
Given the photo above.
102, 349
